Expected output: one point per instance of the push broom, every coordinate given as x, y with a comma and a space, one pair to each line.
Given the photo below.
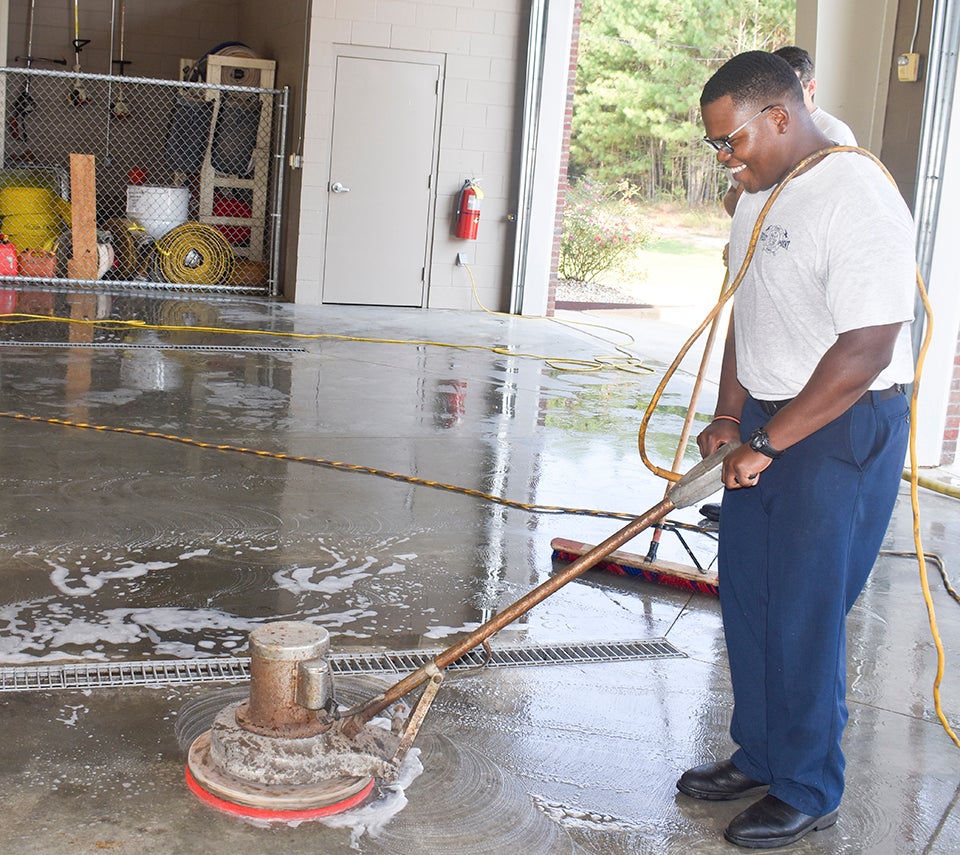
648, 567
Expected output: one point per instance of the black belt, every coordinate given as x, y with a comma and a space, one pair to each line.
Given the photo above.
771, 407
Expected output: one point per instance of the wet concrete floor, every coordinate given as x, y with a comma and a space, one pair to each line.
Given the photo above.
122, 546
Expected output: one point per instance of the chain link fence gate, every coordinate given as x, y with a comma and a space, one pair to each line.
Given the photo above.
186, 178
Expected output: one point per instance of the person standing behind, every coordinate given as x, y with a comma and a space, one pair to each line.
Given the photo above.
835, 130
817, 353
802, 64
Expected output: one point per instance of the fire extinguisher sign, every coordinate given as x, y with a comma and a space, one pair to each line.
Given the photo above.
468, 210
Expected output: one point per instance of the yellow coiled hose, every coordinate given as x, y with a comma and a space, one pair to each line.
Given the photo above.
193, 254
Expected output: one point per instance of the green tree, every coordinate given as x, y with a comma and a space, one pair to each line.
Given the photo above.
641, 67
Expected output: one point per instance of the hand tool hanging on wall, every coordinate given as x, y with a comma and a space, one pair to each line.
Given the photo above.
119, 107
24, 104
78, 95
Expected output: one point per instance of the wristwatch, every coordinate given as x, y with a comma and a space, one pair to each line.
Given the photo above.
759, 441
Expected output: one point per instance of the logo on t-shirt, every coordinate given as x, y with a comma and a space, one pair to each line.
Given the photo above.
774, 238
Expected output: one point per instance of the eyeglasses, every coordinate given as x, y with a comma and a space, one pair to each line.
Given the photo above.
723, 143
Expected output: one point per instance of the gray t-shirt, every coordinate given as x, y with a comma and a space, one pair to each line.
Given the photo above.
835, 253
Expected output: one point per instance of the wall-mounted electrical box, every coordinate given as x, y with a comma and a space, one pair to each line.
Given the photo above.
908, 67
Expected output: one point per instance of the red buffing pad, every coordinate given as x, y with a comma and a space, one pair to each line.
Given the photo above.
285, 815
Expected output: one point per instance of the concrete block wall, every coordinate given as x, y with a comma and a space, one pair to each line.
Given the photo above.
483, 43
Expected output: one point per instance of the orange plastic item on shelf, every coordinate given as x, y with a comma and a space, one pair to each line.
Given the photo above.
38, 262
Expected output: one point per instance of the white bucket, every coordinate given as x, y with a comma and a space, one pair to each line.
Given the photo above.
158, 209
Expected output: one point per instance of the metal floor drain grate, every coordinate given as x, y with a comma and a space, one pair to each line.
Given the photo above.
120, 345
185, 672
404, 661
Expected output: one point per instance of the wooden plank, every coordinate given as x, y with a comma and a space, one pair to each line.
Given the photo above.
83, 207
623, 563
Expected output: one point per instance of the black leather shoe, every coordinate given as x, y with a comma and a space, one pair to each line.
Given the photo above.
720, 781
771, 823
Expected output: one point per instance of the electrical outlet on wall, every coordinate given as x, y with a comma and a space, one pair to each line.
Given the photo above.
908, 67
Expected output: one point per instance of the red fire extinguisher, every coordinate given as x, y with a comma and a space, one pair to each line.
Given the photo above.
468, 210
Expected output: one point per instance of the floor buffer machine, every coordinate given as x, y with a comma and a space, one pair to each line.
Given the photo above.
289, 752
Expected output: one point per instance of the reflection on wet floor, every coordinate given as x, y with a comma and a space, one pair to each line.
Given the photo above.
118, 546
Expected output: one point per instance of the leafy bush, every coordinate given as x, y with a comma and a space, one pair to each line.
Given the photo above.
600, 228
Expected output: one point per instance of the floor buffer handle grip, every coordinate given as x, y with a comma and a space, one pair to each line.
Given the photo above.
703, 480
700, 482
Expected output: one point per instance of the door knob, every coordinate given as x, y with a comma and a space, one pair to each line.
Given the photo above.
337, 187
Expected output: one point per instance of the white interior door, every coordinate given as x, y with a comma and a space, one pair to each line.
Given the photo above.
380, 194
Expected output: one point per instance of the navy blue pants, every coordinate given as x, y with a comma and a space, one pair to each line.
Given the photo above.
795, 552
